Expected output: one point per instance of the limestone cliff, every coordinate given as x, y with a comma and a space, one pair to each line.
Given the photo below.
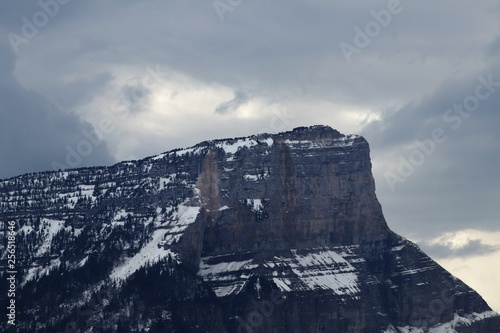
268, 233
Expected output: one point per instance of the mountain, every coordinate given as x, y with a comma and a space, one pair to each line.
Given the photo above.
268, 233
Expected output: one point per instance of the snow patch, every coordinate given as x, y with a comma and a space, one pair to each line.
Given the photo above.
150, 253
255, 204
397, 248
88, 191
256, 177
448, 327
120, 217
269, 141
72, 198
39, 271
344, 141
312, 269
210, 271
227, 274
232, 148
164, 181
323, 269
159, 157
156, 249
283, 284
251, 178
48, 230
82, 262
26, 229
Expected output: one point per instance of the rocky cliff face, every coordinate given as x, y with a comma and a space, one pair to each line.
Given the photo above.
269, 233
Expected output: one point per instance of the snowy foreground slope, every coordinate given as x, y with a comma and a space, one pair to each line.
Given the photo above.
269, 233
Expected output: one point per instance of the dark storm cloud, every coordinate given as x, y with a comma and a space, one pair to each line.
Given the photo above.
417, 119
33, 133
448, 185
473, 247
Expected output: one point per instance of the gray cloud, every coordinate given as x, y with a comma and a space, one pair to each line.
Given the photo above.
293, 48
456, 186
33, 133
136, 97
474, 247
240, 98
494, 48
291, 51
80, 91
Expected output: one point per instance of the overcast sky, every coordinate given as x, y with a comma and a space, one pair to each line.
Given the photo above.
95, 82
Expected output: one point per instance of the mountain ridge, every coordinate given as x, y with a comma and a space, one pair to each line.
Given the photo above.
266, 233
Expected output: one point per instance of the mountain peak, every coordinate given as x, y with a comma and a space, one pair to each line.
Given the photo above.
315, 130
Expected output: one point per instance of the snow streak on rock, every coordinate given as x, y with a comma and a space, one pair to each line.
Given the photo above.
157, 248
314, 269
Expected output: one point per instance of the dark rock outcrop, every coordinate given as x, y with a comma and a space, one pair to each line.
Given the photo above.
270, 233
